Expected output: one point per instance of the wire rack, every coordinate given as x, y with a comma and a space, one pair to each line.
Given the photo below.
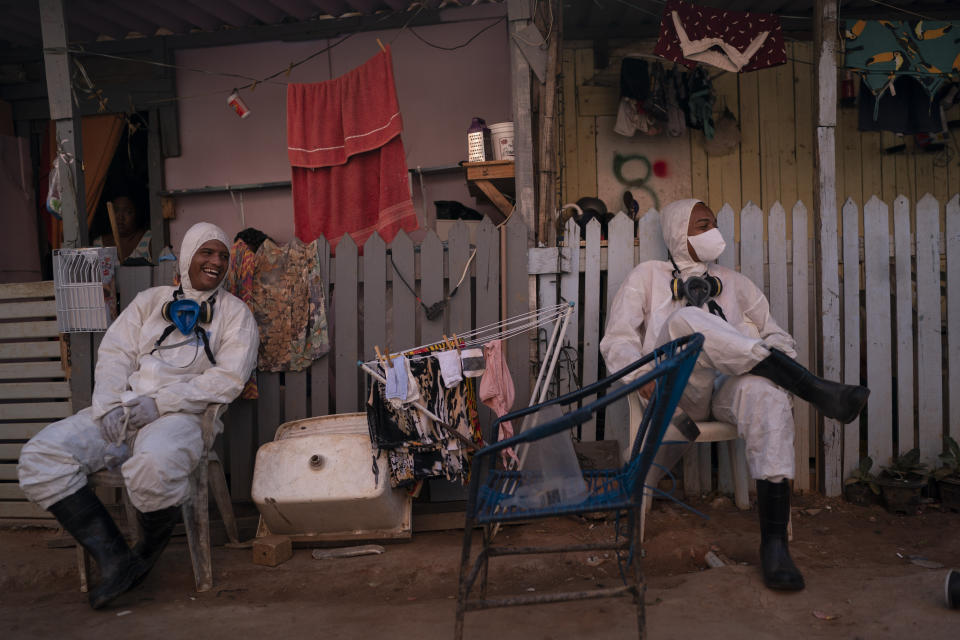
85, 288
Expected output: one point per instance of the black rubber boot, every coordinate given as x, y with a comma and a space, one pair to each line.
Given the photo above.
156, 530
84, 517
773, 503
836, 400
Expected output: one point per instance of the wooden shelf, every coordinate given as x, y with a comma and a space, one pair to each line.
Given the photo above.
493, 179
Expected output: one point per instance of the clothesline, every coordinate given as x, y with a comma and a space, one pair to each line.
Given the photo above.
502, 330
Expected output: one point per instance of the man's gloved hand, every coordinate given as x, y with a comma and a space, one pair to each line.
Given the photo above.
143, 411
112, 425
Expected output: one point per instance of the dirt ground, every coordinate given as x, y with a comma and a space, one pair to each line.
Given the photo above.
869, 575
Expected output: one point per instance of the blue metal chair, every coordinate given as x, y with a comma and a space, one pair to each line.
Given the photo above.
620, 491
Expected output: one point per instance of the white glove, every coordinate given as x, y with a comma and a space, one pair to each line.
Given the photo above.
112, 425
143, 411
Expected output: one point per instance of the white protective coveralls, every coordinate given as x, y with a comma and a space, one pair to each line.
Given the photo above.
182, 381
644, 315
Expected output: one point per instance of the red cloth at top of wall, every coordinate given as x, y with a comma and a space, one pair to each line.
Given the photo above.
348, 164
737, 29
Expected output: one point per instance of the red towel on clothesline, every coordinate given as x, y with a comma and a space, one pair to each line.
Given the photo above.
349, 167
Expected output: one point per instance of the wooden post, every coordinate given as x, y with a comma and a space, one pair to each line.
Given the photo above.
518, 14
53, 26
825, 215
547, 208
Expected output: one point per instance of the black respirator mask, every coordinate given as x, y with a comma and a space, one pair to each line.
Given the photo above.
697, 290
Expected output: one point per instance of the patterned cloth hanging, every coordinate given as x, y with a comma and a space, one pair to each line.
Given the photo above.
290, 306
881, 50
239, 282
734, 41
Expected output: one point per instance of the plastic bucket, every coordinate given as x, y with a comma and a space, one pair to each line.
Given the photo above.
501, 136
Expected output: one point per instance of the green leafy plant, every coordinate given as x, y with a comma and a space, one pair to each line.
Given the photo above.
949, 460
907, 467
862, 475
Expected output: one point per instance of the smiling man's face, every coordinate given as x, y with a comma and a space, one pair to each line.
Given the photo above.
209, 265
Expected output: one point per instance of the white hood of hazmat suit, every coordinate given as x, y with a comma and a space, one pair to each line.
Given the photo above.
644, 314
179, 379
195, 237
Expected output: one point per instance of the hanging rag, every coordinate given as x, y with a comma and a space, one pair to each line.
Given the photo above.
290, 306
239, 282
397, 378
497, 389
907, 109
676, 95
449, 367
632, 115
700, 102
349, 171
734, 41
471, 361
882, 50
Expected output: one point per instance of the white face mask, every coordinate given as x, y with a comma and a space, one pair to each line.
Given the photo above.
708, 245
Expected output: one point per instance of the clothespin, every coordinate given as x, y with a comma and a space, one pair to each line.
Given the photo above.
456, 343
446, 341
385, 362
380, 44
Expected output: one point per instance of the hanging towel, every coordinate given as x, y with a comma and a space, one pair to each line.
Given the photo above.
449, 367
349, 171
496, 388
730, 40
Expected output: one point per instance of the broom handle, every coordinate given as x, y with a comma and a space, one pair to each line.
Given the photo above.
114, 230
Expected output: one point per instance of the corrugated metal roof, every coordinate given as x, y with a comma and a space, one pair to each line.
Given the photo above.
97, 20
635, 19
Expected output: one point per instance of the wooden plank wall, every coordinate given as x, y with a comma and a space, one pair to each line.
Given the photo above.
33, 384
774, 161
367, 305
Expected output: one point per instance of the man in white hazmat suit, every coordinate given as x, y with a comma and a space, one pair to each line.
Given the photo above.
154, 379
743, 374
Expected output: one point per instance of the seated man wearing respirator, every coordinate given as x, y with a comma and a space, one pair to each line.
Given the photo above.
172, 352
745, 374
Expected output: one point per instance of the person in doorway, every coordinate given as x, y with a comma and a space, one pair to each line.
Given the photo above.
746, 371
134, 240
170, 353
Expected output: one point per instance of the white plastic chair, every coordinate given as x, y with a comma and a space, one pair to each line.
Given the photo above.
207, 476
709, 432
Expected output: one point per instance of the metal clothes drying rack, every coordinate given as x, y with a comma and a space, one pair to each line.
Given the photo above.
558, 314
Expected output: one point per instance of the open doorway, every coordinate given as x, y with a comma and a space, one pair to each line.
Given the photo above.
126, 186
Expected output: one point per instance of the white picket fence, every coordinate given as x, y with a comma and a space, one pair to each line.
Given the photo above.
902, 306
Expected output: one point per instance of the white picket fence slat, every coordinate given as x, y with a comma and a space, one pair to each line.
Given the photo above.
929, 360
876, 263
904, 324
804, 440
953, 314
850, 248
